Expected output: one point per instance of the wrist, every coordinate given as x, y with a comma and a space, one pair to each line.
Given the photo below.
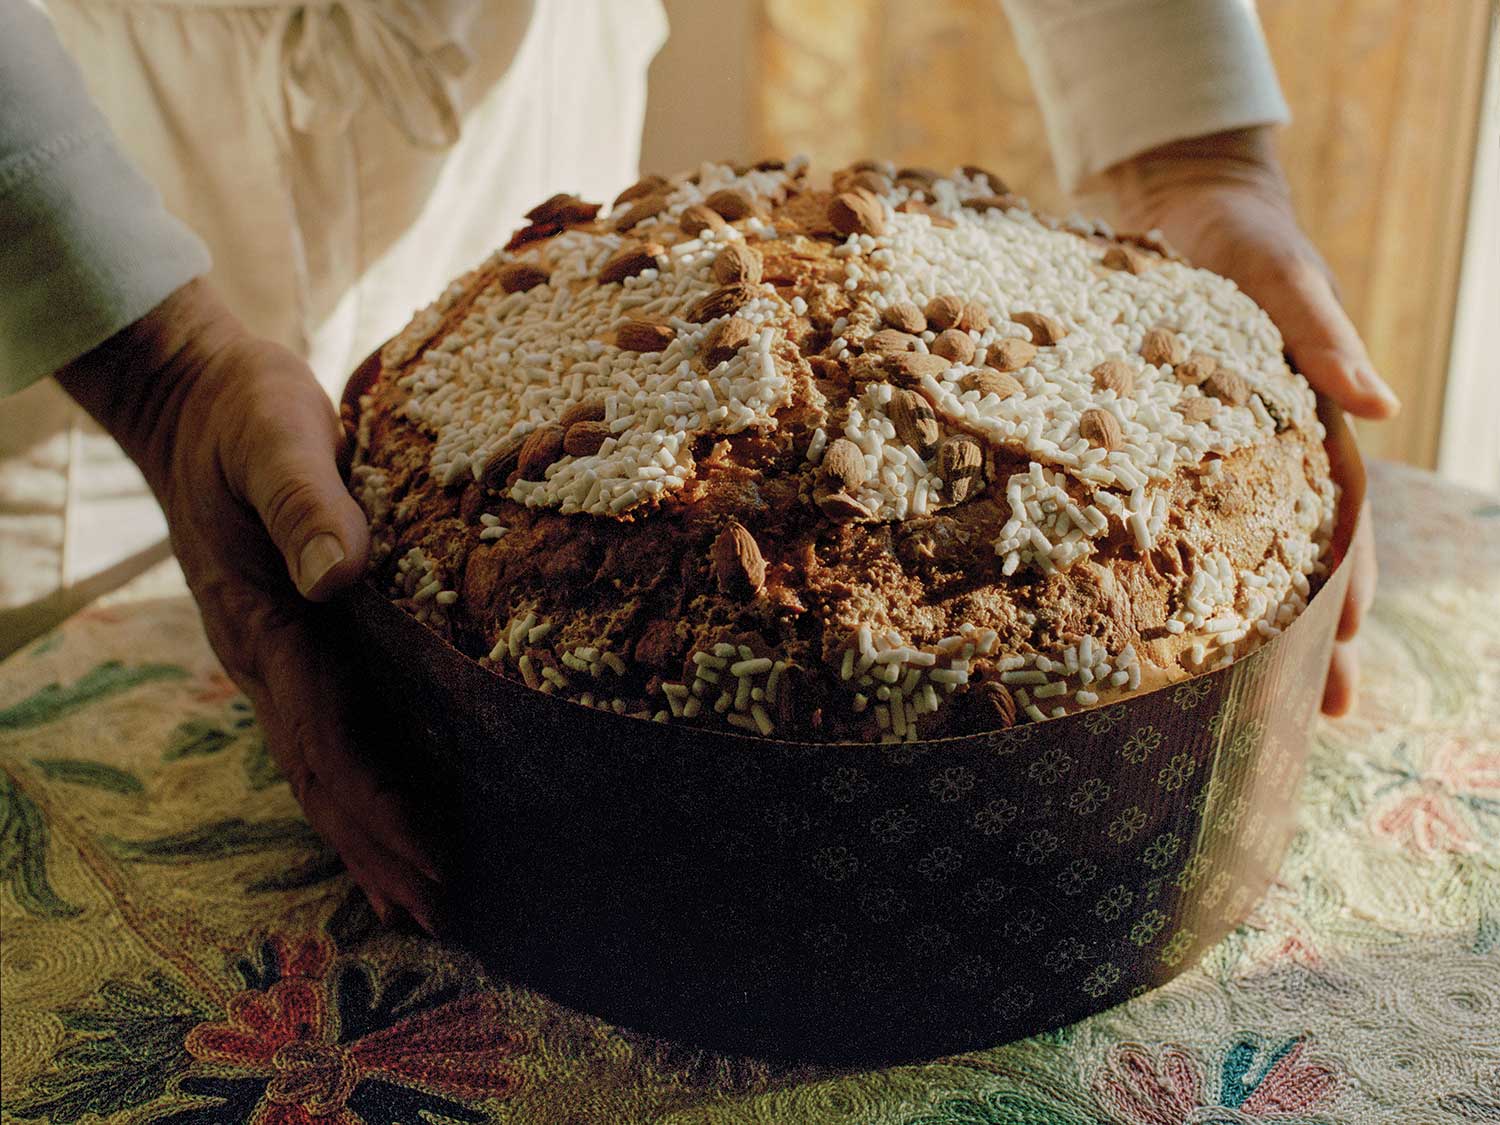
1238, 159
136, 383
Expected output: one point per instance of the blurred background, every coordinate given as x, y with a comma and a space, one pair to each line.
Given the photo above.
1393, 154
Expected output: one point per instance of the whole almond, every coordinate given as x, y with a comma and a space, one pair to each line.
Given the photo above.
997, 703
844, 465
913, 367
542, 447
1114, 375
518, 277
737, 262
960, 462
584, 410
646, 207
738, 564
856, 212
921, 207
918, 174
974, 318
1045, 330
730, 203
1126, 258
889, 342
644, 336
1101, 428
841, 507
915, 423
629, 261
944, 311
1002, 201
501, 463
1227, 386
904, 316
583, 439
1195, 369
1010, 354
721, 302
646, 185
564, 209
726, 339
870, 180
976, 172
988, 381
1163, 348
955, 345
696, 218
1199, 409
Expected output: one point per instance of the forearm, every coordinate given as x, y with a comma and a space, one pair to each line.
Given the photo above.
1143, 184
86, 247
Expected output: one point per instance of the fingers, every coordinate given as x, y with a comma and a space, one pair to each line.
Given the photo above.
281, 460
1362, 578
1343, 674
1320, 338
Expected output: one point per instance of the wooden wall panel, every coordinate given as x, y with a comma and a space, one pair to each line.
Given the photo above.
1384, 94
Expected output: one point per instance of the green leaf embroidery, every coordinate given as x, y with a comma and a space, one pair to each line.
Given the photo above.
261, 769
195, 738
23, 854
217, 840
54, 701
120, 1053
323, 866
77, 771
1003, 1107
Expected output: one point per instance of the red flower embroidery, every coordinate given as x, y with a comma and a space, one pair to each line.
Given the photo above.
1147, 1089
1427, 808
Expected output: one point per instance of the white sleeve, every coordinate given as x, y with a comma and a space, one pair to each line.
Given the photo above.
86, 246
1118, 77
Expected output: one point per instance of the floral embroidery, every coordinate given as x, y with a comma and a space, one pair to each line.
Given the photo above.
952, 784
1036, 846
1445, 807
1052, 766
881, 904
996, 816
940, 863
835, 863
893, 825
1114, 902
984, 894
1147, 927
1077, 875
845, 784
1188, 695
1089, 797
1174, 775
1141, 745
1124, 827
1024, 925
1177, 946
1103, 978
1160, 851
1101, 719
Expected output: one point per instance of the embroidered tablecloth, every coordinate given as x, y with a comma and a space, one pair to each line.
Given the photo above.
178, 947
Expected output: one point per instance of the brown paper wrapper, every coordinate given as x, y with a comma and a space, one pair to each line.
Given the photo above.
852, 903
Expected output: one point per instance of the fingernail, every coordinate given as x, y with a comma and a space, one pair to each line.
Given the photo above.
1378, 387
322, 553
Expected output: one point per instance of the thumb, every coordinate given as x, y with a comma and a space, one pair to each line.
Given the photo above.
1321, 340
284, 457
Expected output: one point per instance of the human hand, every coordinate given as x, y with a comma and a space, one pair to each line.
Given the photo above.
1224, 203
239, 443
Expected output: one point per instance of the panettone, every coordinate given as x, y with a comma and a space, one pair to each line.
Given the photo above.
887, 459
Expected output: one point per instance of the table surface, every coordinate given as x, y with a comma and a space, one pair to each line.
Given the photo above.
178, 947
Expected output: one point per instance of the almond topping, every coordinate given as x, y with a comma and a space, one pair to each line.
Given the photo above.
646, 185
646, 207
736, 263
1227, 386
1045, 330
919, 207
563, 208
584, 410
856, 212
697, 218
960, 462
583, 439
844, 465
738, 564
518, 277
988, 381
841, 507
1114, 375
870, 180
1101, 428
1196, 409
904, 316
997, 702
944, 312
500, 464
1163, 348
726, 339
889, 342
1196, 368
729, 203
955, 345
644, 336
915, 423
1004, 201
975, 172
1126, 258
629, 261
912, 367
974, 318
1010, 354
542, 447
721, 302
